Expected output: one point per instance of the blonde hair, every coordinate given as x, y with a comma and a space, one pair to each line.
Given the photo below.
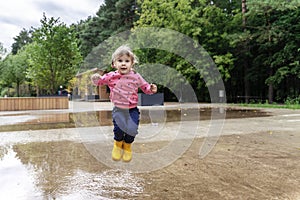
124, 50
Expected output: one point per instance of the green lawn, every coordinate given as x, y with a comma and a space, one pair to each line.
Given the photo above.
266, 105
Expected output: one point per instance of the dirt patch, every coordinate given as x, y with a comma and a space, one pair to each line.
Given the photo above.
252, 166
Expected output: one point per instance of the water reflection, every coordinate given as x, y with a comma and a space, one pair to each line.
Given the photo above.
61, 170
109, 184
17, 180
103, 118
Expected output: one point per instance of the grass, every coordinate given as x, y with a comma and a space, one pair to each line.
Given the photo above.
267, 105
289, 103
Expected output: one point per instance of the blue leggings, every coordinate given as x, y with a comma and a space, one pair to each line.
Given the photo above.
126, 122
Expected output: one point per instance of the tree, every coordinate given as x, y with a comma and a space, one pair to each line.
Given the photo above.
21, 40
286, 78
54, 56
2, 51
14, 71
2, 54
246, 55
113, 16
200, 20
263, 16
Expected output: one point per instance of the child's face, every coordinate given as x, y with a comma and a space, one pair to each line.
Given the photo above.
123, 64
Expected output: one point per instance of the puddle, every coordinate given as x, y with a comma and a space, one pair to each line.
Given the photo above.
61, 170
17, 180
109, 184
8, 120
41, 121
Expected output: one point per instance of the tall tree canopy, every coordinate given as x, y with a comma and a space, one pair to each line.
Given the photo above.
54, 56
21, 40
202, 21
273, 45
14, 70
254, 44
113, 16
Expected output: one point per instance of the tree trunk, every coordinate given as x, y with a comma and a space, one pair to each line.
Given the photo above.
271, 88
246, 64
18, 89
37, 91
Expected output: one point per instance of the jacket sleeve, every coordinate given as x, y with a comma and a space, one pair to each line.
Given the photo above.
144, 85
103, 80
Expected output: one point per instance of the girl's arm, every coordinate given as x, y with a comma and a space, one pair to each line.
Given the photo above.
146, 87
153, 88
95, 79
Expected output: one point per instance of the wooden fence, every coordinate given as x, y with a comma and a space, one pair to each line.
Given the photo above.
33, 103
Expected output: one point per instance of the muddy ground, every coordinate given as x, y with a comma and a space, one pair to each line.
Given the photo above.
254, 158
262, 164
252, 166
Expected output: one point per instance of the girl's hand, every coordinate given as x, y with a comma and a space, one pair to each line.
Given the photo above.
95, 78
153, 88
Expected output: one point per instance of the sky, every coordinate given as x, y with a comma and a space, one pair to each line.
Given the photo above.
18, 14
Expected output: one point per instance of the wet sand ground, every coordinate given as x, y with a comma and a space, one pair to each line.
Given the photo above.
254, 158
252, 166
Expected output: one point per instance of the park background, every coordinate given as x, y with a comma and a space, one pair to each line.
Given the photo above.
254, 44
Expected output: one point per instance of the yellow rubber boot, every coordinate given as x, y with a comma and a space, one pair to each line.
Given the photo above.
116, 153
127, 154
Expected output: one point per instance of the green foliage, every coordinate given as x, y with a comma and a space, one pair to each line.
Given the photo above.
21, 40
14, 70
2, 51
258, 51
266, 49
54, 56
265, 6
225, 64
113, 16
200, 20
